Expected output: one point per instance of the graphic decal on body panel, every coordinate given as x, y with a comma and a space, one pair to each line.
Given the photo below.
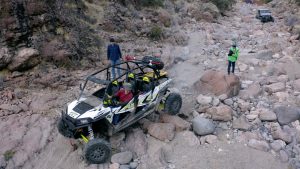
113, 111
159, 88
142, 98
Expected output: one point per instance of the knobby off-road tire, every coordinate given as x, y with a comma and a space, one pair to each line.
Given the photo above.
64, 130
97, 151
173, 103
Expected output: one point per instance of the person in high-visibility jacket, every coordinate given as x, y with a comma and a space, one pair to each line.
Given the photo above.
232, 58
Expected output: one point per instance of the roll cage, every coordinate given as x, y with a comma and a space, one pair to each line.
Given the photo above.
137, 67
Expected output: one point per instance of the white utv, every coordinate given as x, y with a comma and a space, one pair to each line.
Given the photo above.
91, 117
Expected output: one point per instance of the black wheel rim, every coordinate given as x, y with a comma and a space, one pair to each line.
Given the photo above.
98, 154
175, 105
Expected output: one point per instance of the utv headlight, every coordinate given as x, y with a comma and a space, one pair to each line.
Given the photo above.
83, 121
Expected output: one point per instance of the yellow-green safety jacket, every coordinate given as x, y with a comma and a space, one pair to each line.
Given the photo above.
235, 55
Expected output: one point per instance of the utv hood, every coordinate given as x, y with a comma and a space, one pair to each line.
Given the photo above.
78, 108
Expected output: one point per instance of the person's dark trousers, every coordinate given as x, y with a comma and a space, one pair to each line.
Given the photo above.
229, 66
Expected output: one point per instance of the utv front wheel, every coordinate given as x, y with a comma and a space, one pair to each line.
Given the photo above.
64, 130
173, 103
97, 151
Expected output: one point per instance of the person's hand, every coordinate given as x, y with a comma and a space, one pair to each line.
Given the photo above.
108, 62
108, 96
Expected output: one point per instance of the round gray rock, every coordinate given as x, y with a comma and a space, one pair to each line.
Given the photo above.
278, 145
122, 158
267, 115
228, 102
133, 165
124, 167
202, 126
286, 115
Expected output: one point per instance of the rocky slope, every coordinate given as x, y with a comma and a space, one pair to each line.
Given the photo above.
250, 130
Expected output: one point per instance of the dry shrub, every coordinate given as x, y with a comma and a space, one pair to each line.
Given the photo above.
223, 5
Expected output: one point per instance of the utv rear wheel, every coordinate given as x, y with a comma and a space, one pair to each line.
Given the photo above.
173, 103
97, 151
64, 130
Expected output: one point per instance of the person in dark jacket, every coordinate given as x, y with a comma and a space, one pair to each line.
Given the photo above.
114, 55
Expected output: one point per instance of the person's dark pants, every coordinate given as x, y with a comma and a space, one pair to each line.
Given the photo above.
116, 118
229, 66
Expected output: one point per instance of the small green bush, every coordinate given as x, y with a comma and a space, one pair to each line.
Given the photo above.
8, 155
155, 33
297, 2
223, 5
153, 3
267, 1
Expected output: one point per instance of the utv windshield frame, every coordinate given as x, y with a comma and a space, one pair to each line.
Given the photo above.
131, 66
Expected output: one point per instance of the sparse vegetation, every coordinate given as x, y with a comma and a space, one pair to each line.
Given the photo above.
155, 33
297, 2
8, 155
267, 1
153, 3
223, 5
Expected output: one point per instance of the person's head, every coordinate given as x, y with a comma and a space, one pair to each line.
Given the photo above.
127, 87
112, 40
130, 76
146, 79
115, 83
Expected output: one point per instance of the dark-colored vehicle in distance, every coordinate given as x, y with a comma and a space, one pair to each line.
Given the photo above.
264, 15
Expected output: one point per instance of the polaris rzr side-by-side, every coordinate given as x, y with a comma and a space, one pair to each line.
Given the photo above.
94, 117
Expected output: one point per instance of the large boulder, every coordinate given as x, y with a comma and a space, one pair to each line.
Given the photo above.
203, 126
179, 123
136, 142
252, 91
275, 87
25, 59
162, 131
116, 140
286, 115
218, 83
220, 113
5, 57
